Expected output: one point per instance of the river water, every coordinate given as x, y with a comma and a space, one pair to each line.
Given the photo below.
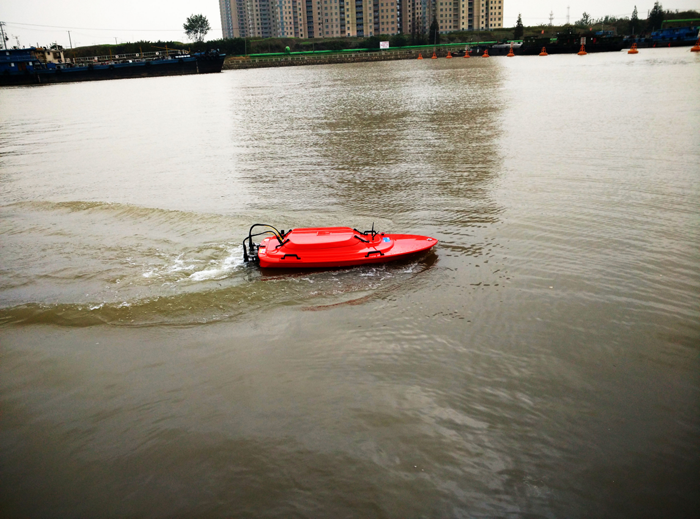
542, 361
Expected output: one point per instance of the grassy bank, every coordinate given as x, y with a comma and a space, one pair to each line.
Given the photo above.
241, 46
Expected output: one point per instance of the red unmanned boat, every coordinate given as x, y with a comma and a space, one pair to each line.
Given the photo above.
323, 247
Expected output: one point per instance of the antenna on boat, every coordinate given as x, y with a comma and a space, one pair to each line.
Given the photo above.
4, 38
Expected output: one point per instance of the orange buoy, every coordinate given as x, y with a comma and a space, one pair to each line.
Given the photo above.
510, 53
544, 52
467, 53
420, 56
449, 55
633, 50
434, 56
486, 54
696, 48
582, 52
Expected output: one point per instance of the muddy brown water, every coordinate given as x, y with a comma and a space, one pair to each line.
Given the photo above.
542, 361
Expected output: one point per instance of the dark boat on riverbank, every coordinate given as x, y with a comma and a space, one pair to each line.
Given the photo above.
570, 43
684, 36
503, 48
34, 66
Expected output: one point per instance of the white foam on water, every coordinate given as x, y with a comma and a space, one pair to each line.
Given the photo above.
179, 265
219, 270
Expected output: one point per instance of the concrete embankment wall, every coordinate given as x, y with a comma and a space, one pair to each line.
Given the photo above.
290, 61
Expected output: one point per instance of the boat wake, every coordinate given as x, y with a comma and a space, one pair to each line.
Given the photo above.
93, 263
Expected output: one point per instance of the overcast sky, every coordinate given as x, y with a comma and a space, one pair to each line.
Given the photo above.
101, 21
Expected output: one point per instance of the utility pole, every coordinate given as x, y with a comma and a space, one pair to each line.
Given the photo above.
71, 41
568, 15
4, 38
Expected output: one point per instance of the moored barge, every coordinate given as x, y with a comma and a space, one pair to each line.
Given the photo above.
32, 66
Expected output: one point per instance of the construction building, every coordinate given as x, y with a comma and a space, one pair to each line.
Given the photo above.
338, 18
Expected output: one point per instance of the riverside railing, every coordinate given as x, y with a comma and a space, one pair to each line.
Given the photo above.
374, 51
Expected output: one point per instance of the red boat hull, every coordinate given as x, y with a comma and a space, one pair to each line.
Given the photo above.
323, 247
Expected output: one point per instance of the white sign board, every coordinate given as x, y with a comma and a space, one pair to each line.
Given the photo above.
383, 44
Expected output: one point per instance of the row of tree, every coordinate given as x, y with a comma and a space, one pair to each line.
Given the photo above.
653, 22
632, 25
241, 46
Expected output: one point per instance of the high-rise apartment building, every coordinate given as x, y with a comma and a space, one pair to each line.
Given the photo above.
488, 14
451, 15
336, 18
